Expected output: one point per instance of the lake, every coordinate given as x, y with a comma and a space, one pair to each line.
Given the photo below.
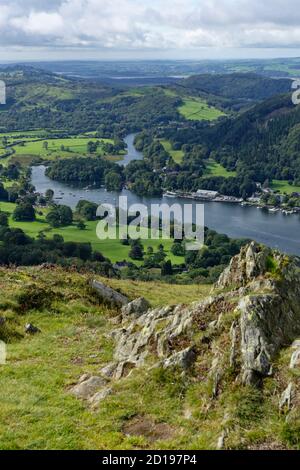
273, 229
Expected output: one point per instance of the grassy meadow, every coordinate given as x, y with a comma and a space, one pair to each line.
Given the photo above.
112, 249
26, 146
177, 155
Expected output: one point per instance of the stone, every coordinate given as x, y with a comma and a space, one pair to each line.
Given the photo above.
85, 389
31, 329
100, 396
295, 360
286, 398
109, 295
221, 440
136, 308
183, 359
245, 267
109, 370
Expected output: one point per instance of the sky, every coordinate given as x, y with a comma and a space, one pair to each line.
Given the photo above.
148, 29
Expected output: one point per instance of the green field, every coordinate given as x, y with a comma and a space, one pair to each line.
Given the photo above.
197, 109
177, 155
215, 169
284, 187
26, 146
75, 145
112, 249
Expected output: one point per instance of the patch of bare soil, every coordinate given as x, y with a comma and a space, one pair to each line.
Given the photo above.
267, 445
145, 426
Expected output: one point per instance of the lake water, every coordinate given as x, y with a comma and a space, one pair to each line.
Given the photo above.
274, 229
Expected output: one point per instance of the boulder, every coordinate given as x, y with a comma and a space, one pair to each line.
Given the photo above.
109, 295
100, 396
88, 386
286, 398
245, 267
136, 308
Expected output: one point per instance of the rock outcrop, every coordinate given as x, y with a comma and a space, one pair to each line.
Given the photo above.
256, 303
109, 295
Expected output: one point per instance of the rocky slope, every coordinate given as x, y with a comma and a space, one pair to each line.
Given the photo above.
233, 339
89, 368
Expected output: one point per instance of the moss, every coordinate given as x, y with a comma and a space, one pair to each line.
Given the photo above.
290, 434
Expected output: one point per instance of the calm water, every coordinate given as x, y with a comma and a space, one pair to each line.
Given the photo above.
273, 229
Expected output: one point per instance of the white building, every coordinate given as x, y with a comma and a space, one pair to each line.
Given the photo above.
204, 194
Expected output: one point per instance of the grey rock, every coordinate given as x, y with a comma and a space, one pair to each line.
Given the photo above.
96, 399
221, 440
234, 331
86, 388
136, 308
183, 359
109, 370
249, 264
109, 295
31, 329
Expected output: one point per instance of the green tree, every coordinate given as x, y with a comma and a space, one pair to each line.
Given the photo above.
49, 194
60, 216
136, 251
3, 219
113, 181
24, 212
81, 225
166, 268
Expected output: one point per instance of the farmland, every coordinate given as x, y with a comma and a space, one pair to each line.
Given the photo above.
112, 249
177, 155
25, 147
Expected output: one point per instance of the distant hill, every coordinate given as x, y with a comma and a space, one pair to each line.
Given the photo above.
235, 90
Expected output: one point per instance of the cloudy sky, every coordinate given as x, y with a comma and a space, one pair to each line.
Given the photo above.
83, 29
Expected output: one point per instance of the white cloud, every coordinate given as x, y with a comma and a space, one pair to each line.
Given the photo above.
158, 24
40, 23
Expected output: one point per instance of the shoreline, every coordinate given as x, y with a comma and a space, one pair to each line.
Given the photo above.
232, 200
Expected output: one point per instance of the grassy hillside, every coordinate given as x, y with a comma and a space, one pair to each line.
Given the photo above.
150, 408
37, 410
215, 169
